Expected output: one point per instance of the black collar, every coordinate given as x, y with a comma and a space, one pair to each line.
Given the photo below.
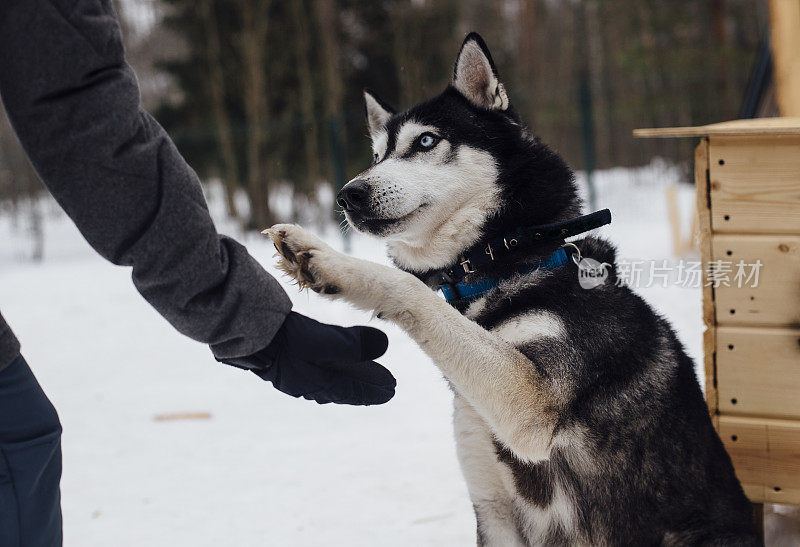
490, 250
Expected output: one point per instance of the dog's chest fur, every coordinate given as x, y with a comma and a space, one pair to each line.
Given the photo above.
534, 495
538, 495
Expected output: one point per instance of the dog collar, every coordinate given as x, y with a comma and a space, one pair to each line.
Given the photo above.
463, 291
455, 289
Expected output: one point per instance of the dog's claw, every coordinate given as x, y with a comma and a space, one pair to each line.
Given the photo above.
280, 245
287, 253
295, 254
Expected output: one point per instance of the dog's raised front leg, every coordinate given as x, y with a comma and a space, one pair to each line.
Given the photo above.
499, 382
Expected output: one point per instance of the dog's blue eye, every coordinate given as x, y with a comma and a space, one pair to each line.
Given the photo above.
426, 140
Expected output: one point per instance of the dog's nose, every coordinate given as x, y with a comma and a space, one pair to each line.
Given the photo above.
354, 195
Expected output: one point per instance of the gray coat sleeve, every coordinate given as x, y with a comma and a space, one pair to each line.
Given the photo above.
74, 103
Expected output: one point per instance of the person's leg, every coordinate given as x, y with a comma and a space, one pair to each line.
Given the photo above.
30, 461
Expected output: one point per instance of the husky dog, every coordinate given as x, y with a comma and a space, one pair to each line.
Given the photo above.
577, 413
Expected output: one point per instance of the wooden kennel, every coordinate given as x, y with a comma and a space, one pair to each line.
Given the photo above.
747, 176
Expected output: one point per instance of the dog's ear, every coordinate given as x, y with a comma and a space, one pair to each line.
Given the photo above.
378, 113
475, 75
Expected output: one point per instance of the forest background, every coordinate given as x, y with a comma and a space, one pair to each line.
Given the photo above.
263, 95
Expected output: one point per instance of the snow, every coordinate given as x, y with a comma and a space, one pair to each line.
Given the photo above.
265, 468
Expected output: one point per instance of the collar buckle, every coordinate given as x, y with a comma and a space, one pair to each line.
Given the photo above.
467, 265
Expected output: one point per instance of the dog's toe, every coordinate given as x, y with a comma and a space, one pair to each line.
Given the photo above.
299, 255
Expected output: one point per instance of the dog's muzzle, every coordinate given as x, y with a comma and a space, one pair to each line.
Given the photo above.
354, 196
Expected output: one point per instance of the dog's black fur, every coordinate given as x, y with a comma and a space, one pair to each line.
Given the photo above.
667, 477
661, 474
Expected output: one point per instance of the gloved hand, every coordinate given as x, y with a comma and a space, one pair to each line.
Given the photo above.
324, 363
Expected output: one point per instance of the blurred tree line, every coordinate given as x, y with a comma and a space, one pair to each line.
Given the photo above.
271, 90
258, 93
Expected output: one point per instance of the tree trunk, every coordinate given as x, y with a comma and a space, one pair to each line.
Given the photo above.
216, 83
253, 43
327, 23
405, 50
305, 76
724, 77
597, 71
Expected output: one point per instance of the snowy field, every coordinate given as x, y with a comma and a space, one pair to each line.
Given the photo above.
263, 468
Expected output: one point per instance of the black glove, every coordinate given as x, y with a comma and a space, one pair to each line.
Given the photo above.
324, 363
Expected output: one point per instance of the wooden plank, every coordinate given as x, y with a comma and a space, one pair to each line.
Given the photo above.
755, 184
710, 369
751, 467
675, 224
765, 455
758, 493
745, 435
758, 372
202, 415
785, 41
775, 299
754, 492
784, 438
785, 496
704, 241
704, 226
757, 126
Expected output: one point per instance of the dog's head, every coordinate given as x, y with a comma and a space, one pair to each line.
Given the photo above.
454, 168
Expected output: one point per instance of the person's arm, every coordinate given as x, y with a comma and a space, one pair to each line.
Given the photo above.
74, 103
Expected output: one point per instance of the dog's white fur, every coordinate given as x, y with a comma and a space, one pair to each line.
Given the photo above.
530, 326
377, 116
535, 521
441, 218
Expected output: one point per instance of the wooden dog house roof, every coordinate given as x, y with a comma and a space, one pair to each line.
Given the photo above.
750, 127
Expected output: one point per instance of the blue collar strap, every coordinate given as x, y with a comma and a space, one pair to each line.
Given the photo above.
463, 291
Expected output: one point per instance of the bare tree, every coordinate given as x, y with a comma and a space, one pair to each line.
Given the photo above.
252, 41
406, 17
306, 79
216, 85
326, 12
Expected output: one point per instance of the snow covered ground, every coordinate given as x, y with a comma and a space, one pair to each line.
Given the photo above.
264, 469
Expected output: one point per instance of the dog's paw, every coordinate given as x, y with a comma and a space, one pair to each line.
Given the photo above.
302, 256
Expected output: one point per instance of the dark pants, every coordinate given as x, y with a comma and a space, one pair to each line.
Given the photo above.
30, 461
